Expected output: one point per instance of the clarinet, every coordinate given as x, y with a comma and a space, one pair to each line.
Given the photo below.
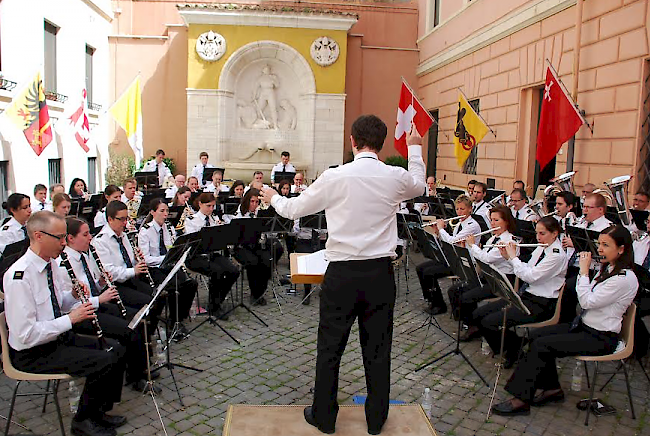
109, 283
173, 239
76, 287
139, 258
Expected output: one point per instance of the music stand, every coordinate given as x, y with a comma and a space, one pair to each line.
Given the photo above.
584, 240
143, 210
613, 215
207, 174
279, 176
639, 218
146, 180
175, 214
526, 231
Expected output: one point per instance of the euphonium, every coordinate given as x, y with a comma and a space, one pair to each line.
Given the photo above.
498, 200
563, 182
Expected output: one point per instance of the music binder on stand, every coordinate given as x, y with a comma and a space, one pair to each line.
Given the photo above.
286, 175
207, 174
146, 180
584, 240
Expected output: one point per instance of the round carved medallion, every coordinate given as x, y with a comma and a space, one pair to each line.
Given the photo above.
210, 46
324, 51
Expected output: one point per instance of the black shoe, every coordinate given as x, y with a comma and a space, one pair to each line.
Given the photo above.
221, 314
258, 302
373, 431
507, 409
88, 427
436, 310
470, 334
509, 362
110, 421
544, 398
309, 417
141, 385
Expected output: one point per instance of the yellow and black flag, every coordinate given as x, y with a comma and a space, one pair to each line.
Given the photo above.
469, 131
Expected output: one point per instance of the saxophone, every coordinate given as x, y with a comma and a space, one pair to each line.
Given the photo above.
78, 289
181, 222
132, 206
107, 279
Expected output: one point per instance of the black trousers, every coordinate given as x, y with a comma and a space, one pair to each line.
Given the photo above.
537, 370
465, 301
428, 273
569, 296
257, 262
222, 272
186, 288
116, 327
137, 292
350, 290
80, 357
489, 319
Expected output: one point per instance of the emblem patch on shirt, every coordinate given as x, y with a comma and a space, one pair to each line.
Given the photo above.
5, 227
99, 235
556, 250
146, 226
18, 275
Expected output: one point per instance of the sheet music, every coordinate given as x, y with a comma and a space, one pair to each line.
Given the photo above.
313, 264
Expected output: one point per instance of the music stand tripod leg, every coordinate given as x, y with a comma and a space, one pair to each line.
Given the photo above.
501, 358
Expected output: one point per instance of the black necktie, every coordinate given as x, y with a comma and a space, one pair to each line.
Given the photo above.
91, 280
496, 241
42, 206
207, 221
125, 254
517, 216
24, 229
590, 224
50, 284
540, 258
163, 248
284, 168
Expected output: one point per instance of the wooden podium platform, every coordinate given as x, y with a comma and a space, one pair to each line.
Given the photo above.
247, 420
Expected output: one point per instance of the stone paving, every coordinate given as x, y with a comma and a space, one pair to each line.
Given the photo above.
275, 365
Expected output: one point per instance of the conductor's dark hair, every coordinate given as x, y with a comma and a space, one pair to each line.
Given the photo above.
550, 224
113, 208
622, 238
506, 215
39, 187
13, 202
369, 131
285, 153
74, 225
244, 207
569, 198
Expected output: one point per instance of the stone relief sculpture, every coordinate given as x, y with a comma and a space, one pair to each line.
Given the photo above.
265, 91
289, 118
210, 46
260, 149
324, 51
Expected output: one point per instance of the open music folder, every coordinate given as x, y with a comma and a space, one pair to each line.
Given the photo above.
308, 268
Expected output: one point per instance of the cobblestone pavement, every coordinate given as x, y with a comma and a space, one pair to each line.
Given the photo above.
275, 365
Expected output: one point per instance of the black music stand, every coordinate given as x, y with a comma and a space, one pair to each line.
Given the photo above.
584, 240
146, 199
491, 194
207, 174
207, 240
175, 214
613, 215
147, 180
526, 231
279, 176
405, 222
639, 218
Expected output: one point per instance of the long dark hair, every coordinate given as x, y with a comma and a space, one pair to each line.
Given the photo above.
234, 185
281, 185
182, 190
506, 215
13, 202
622, 238
71, 191
153, 206
246, 200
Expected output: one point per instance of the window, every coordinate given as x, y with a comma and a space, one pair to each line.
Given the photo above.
644, 151
433, 18
50, 57
92, 174
89, 72
432, 146
4, 165
54, 171
472, 160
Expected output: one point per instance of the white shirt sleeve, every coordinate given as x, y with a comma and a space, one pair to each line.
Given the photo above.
604, 294
549, 266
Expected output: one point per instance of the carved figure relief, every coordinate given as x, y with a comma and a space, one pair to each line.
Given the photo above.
324, 51
210, 46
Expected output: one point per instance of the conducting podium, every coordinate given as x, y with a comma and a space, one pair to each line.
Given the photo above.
308, 268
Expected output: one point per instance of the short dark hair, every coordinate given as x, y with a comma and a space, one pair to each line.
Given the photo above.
521, 192
482, 185
206, 197
203, 153
285, 153
369, 131
472, 182
506, 215
113, 208
74, 225
257, 172
644, 193
108, 191
600, 200
160, 151
13, 202
569, 198
550, 224
521, 182
39, 187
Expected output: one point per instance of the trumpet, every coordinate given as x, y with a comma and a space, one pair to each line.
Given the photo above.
501, 245
477, 234
107, 279
450, 221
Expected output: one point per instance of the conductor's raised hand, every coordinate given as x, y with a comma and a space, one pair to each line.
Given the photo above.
413, 137
81, 313
268, 194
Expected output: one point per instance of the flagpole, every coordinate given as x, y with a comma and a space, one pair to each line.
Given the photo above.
433, 120
477, 114
576, 65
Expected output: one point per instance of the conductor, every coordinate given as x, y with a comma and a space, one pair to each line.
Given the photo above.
361, 200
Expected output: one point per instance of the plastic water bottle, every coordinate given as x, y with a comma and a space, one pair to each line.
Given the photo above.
576, 380
485, 348
161, 356
73, 396
163, 335
194, 309
426, 402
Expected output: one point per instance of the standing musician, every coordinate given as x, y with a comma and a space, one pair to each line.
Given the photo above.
360, 200
116, 254
110, 315
197, 170
255, 259
430, 271
543, 276
604, 300
61, 204
503, 224
111, 193
153, 239
13, 229
157, 164
40, 336
222, 271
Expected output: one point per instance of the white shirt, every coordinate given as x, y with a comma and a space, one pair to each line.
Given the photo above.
136, 197
10, 233
361, 200
149, 242
37, 206
525, 214
640, 250
197, 222
211, 188
75, 260
546, 277
28, 303
483, 210
100, 218
492, 255
197, 171
109, 253
171, 191
264, 186
606, 302
248, 214
163, 170
295, 188
467, 227
281, 168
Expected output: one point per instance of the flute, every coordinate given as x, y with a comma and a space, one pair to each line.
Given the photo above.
516, 245
477, 234
107, 279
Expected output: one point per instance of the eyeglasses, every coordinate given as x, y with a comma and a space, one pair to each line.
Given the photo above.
123, 219
59, 237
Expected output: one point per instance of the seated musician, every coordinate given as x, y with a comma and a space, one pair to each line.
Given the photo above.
257, 182
604, 300
111, 193
193, 184
237, 189
298, 183
641, 201
430, 271
181, 197
61, 204
130, 194
641, 245
519, 209
110, 316
255, 259
40, 336
116, 254
78, 189
40, 201
179, 182
13, 228
540, 282
423, 208
216, 186
154, 238
565, 209
222, 271
503, 224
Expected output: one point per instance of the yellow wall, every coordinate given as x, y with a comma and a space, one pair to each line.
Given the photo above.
205, 75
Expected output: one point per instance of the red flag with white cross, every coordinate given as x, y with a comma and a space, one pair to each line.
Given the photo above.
409, 111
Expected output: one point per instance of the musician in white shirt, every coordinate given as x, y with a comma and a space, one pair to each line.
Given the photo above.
111, 193
519, 210
13, 228
216, 186
257, 182
159, 166
179, 182
284, 166
298, 183
544, 276
480, 207
193, 183
198, 169
429, 272
40, 199
604, 301
565, 206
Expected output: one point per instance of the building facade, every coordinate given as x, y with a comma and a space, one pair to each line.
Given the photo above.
68, 41
496, 53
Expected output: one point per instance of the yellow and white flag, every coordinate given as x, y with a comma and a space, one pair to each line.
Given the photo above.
469, 131
127, 112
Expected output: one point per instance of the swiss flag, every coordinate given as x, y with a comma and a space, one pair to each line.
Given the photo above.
410, 110
559, 120
78, 121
